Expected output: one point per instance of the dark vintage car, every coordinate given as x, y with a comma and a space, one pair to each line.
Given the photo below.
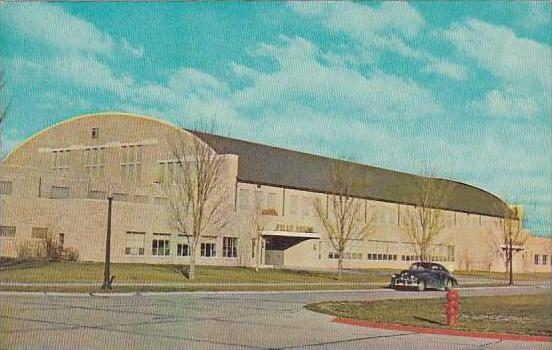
422, 275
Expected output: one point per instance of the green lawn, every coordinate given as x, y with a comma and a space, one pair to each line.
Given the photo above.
522, 314
142, 273
529, 276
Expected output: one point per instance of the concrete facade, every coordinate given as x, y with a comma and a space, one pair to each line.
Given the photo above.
57, 181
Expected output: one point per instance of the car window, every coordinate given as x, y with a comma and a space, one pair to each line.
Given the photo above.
417, 267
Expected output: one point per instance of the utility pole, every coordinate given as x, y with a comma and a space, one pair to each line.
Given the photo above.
510, 248
107, 275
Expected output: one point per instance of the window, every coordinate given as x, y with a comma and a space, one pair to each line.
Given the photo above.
7, 231
93, 194
306, 206
59, 192
182, 250
94, 160
121, 197
272, 200
95, 133
230, 247
293, 204
140, 199
39, 232
160, 200
544, 257
160, 247
333, 255
60, 159
536, 259
243, 199
61, 239
6, 187
134, 243
208, 250
131, 162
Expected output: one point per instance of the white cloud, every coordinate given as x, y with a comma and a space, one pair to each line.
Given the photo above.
302, 79
508, 103
533, 15
386, 27
136, 51
522, 65
51, 25
446, 68
74, 68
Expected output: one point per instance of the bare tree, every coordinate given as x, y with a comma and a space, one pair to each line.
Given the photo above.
257, 222
423, 224
513, 238
196, 191
3, 104
257, 226
344, 216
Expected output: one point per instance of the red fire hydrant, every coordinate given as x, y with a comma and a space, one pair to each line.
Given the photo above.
451, 308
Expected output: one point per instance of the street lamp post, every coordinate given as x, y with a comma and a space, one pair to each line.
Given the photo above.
107, 275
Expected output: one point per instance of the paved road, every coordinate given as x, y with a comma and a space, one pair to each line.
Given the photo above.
217, 321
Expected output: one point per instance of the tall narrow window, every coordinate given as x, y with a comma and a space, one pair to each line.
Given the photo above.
182, 249
7, 231
59, 192
131, 162
160, 247
208, 250
39, 232
6, 188
134, 243
95, 133
230, 247
243, 199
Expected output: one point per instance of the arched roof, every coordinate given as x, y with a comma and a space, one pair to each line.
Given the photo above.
262, 164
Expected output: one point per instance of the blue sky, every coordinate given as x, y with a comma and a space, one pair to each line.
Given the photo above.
460, 87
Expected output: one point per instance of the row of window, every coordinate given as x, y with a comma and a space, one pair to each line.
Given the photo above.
94, 157
541, 259
387, 257
162, 247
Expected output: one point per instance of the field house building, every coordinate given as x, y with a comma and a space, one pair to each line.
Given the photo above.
56, 182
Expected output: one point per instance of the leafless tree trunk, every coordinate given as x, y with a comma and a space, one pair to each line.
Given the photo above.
343, 218
3, 104
197, 192
423, 224
513, 238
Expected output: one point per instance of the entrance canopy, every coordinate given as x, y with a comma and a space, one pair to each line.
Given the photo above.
292, 234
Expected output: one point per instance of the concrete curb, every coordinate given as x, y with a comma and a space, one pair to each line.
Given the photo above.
131, 294
313, 291
438, 331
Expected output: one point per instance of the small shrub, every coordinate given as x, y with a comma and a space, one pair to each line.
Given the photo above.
26, 250
71, 254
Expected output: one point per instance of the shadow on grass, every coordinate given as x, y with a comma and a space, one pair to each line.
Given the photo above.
430, 321
13, 264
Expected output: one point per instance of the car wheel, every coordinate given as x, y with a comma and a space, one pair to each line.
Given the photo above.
421, 286
448, 285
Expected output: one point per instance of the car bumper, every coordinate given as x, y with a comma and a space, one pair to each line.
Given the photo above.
404, 283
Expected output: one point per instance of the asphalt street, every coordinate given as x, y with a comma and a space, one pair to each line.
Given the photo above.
234, 320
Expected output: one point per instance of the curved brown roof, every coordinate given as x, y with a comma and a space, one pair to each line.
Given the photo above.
267, 165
